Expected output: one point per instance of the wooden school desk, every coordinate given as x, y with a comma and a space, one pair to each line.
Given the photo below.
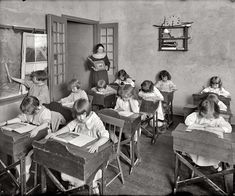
69, 159
197, 98
17, 146
131, 126
205, 144
103, 100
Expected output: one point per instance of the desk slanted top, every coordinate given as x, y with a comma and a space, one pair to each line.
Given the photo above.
204, 144
72, 160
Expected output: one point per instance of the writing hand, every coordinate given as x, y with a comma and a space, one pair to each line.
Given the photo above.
51, 135
2, 124
34, 133
93, 148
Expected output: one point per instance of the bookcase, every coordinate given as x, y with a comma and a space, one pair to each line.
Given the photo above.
173, 38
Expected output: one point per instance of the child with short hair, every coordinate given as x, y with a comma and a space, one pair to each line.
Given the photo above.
215, 86
123, 78
165, 84
103, 88
208, 117
77, 93
33, 113
86, 122
37, 86
215, 98
127, 99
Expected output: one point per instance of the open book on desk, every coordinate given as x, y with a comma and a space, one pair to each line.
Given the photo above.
19, 127
76, 139
215, 130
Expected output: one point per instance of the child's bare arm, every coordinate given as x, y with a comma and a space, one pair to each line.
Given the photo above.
35, 131
21, 81
63, 130
14, 120
94, 147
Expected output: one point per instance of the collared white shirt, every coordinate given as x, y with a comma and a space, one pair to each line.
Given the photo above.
218, 91
93, 126
42, 116
74, 96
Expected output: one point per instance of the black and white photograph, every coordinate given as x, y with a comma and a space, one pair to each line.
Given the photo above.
117, 97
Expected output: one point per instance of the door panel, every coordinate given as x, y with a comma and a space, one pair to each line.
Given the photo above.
56, 32
80, 44
108, 34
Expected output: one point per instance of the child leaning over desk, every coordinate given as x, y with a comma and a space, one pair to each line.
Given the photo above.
215, 86
33, 113
103, 88
127, 99
37, 86
127, 102
77, 93
208, 118
86, 122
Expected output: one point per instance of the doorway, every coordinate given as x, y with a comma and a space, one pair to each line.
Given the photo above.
81, 37
79, 46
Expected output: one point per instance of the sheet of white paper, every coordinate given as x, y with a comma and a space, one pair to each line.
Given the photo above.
19, 127
125, 113
197, 127
216, 130
81, 140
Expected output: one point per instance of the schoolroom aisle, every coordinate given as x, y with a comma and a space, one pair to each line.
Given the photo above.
154, 175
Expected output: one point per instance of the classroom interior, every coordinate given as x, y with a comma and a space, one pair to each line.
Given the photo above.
210, 53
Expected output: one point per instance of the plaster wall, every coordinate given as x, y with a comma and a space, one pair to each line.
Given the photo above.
210, 52
32, 14
211, 48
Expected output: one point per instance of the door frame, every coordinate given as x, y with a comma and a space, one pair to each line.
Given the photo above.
85, 21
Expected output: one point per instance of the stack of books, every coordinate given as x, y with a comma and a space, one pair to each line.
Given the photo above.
169, 45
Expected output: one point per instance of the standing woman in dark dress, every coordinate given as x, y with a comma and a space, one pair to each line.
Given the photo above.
99, 65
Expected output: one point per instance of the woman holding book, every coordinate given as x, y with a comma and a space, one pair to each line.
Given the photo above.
99, 65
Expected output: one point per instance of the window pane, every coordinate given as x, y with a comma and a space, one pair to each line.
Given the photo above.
60, 69
110, 39
103, 40
109, 31
60, 79
109, 48
60, 58
55, 69
54, 26
55, 80
61, 38
110, 55
103, 31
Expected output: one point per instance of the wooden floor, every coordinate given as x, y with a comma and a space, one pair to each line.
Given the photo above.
155, 173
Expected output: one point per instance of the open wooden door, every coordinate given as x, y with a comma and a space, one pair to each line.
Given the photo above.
56, 36
108, 34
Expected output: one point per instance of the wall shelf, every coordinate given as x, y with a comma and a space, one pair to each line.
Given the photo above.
173, 38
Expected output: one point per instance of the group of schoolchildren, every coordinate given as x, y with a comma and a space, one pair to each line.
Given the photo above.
87, 122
